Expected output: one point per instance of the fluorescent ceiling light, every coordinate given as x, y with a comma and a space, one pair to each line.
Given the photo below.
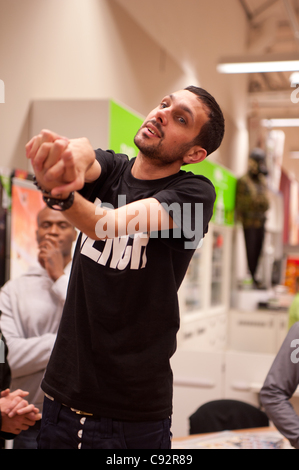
294, 79
280, 122
255, 64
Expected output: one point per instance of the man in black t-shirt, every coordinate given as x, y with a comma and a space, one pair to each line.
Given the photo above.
109, 382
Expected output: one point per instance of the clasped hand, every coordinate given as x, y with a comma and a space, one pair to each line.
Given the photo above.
16, 413
60, 164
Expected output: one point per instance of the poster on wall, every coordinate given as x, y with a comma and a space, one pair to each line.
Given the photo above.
291, 275
26, 202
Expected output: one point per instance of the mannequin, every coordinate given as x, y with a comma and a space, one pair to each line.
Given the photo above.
251, 205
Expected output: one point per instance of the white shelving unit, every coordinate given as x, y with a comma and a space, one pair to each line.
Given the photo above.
198, 364
205, 293
221, 353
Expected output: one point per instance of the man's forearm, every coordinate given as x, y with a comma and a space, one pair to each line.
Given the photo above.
99, 223
93, 173
281, 413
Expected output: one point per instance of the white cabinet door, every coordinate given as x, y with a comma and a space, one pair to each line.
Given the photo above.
252, 332
257, 331
207, 334
198, 378
245, 374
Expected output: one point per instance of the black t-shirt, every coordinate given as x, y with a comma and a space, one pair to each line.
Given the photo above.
121, 316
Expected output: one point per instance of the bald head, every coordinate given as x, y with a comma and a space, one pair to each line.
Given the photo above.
53, 225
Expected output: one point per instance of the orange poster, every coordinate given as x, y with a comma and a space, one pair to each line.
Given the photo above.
292, 273
26, 203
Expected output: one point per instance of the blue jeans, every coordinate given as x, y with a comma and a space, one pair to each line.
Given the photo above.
27, 439
62, 428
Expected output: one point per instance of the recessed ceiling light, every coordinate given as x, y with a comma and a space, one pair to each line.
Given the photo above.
294, 79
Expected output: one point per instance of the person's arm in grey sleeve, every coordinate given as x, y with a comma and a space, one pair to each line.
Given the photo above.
280, 384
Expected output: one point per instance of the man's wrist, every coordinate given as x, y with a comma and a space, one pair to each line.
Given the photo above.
38, 186
55, 203
59, 204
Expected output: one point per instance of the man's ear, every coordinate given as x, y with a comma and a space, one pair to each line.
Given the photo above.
195, 155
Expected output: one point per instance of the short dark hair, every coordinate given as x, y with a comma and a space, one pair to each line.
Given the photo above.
212, 132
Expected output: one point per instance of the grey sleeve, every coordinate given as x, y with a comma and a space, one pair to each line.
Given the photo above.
280, 384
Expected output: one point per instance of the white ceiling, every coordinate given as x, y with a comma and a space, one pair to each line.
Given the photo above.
273, 27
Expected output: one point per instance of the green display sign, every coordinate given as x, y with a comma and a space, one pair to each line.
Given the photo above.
225, 185
123, 127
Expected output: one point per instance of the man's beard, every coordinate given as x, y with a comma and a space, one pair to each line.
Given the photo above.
156, 153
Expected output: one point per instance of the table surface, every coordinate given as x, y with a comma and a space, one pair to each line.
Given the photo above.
253, 438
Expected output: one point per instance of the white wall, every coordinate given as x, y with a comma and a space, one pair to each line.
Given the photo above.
98, 49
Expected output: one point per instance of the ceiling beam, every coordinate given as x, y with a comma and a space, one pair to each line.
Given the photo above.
253, 14
263, 7
246, 9
293, 18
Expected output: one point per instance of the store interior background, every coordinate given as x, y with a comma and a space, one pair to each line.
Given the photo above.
135, 52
